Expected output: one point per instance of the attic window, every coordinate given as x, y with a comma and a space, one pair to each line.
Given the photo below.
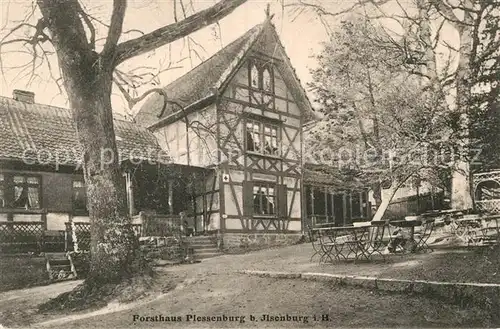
267, 80
254, 77
261, 76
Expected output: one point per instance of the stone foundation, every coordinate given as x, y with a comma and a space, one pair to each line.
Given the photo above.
163, 248
243, 242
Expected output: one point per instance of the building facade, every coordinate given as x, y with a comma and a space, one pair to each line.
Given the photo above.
241, 113
225, 150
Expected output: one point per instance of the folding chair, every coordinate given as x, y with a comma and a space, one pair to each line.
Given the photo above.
329, 247
351, 241
313, 238
490, 230
376, 239
422, 236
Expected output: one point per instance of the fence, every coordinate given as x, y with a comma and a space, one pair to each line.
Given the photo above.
21, 237
81, 231
25, 237
161, 225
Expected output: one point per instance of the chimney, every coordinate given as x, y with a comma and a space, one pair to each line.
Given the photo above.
24, 96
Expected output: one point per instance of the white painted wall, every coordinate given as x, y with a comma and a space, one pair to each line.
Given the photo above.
56, 221
200, 143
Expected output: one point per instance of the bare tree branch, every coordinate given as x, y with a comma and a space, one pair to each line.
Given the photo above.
119, 80
323, 12
447, 12
115, 31
58, 16
175, 31
89, 24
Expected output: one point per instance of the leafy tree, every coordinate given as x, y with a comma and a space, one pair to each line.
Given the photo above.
379, 123
456, 70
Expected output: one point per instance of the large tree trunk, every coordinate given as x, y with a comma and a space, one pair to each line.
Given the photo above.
88, 80
112, 244
88, 85
461, 188
461, 196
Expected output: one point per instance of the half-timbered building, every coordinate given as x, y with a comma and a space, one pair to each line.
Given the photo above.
233, 131
241, 113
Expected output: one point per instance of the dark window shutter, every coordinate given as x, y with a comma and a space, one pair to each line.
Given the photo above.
248, 198
282, 201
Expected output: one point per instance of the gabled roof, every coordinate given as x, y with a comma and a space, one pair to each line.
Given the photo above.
209, 77
198, 83
37, 133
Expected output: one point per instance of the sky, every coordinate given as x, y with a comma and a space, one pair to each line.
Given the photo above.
301, 37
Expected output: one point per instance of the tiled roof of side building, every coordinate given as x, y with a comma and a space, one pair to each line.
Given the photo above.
38, 133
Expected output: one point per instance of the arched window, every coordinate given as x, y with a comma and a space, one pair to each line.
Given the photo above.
254, 76
267, 80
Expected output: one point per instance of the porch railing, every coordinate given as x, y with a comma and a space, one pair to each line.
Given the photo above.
488, 206
161, 225
25, 237
21, 237
81, 232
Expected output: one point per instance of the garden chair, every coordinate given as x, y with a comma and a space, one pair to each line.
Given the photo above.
376, 240
313, 238
330, 247
423, 235
343, 242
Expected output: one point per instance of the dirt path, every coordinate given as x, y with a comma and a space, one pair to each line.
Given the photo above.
237, 297
212, 288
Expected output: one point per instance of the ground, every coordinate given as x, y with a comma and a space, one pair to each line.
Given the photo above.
214, 287
33, 273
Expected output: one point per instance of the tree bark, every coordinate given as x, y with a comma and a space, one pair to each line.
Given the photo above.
461, 197
461, 194
112, 238
377, 193
88, 86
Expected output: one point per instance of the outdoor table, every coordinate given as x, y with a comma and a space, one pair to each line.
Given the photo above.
435, 214
342, 242
466, 229
456, 212
410, 225
378, 223
324, 225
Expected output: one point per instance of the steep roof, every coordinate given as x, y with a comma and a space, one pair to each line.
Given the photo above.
209, 77
37, 133
197, 83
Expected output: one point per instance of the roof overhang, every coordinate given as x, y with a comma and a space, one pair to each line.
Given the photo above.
204, 102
